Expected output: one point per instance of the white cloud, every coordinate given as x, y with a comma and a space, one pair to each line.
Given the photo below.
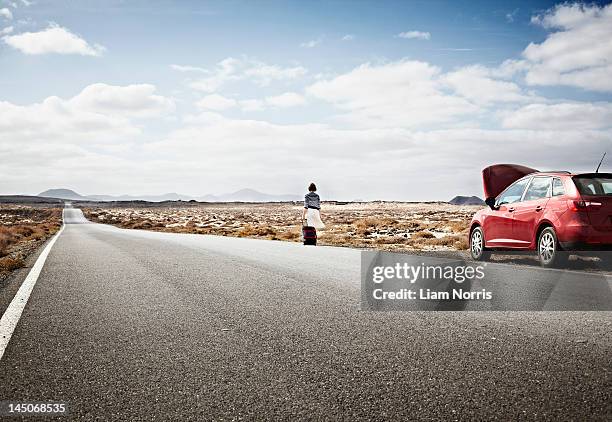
477, 83
61, 137
132, 100
208, 84
55, 120
216, 102
401, 94
54, 39
577, 52
6, 31
562, 116
225, 71
510, 16
371, 158
263, 74
56, 137
98, 112
567, 15
6, 13
288, 99
509, 68
252, 105
414, 35
181, 68
311, 43
348, 37
398, 118
232, 69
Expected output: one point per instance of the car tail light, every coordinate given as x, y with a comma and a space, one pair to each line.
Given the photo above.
578, 206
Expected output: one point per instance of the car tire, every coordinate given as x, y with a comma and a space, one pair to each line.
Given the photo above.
477, 245
550, 253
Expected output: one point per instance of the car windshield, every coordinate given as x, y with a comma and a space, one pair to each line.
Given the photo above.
594, 185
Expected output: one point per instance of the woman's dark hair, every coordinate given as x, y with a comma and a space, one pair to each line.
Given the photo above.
312, 187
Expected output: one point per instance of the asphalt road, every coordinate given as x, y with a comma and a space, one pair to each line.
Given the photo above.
135, 325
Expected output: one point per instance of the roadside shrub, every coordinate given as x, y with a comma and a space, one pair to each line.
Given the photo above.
5, 241
289, 235
391, 240
9, 264
423, 235
24, 225
462, 243
363, 223
24, 231
250, 230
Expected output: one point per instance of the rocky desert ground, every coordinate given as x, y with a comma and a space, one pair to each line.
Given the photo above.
22, 230
391, 226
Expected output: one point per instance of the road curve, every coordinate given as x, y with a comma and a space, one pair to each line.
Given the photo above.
130, 325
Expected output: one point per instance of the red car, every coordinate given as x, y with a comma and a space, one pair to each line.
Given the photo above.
551, 212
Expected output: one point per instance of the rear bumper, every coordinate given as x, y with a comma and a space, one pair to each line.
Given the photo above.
585, 237
584, 246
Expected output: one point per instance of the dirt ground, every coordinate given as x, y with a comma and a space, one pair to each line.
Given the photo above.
22, 230
391, 226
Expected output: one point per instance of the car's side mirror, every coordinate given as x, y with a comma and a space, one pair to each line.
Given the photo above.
491, 203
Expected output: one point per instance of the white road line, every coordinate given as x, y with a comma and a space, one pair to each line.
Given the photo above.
13, 312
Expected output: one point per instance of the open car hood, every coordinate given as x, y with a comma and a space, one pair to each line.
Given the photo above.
498, 177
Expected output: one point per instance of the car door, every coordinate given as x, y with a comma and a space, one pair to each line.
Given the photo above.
528, 213
497, 225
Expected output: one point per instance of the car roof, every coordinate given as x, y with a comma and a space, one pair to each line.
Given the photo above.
550, 173
556, 172
593, 175
568, 173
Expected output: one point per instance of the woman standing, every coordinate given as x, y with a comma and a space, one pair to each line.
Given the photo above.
312, 207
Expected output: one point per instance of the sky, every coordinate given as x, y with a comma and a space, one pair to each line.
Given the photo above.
405, 100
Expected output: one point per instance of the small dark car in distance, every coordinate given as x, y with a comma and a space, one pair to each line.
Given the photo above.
552, 213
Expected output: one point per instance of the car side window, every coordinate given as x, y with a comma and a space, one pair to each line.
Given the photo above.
514, 193
539, 188
557, 187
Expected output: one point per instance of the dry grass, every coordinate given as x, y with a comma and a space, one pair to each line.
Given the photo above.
381, 225
8, 264
22, 230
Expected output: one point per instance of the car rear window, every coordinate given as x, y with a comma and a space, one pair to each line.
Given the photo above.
594, 185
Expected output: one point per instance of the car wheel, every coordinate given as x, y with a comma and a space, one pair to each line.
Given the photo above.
477, 245
549, 251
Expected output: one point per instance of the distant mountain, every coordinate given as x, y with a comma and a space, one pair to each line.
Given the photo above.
249, 195
62, 194
150, 198
27, 199
466, 200
243, 195
74, 196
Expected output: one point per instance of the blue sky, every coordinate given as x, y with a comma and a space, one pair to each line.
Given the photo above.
366, 98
